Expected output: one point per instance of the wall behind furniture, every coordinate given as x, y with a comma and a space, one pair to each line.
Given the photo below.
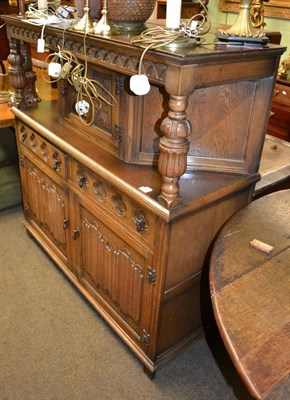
272, 24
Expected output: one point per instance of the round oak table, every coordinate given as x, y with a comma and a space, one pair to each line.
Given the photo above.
250, 293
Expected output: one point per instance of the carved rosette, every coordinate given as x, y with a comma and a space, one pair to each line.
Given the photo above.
174, 147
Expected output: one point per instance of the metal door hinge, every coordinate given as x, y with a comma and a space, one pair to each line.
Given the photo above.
145, 338
64, 89
119, 85
22, 163
65, 222
118, 133
151, 276
76, 234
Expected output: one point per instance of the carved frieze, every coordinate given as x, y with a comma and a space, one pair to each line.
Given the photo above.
99, 55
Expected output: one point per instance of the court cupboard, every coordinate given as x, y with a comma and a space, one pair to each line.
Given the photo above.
128, 206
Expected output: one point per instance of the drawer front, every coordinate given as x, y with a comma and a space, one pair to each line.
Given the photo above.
45, 151
128, 212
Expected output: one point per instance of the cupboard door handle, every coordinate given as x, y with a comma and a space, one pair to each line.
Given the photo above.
76, 233
82, 181
65, 223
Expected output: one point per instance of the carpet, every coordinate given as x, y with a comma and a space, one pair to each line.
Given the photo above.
54, 346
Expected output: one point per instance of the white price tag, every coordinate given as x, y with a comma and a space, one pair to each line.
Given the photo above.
145, 189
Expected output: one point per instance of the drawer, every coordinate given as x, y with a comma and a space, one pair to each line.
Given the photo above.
50, 155
128, 212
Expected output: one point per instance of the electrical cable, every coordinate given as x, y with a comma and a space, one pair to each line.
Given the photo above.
157, 37
89, 91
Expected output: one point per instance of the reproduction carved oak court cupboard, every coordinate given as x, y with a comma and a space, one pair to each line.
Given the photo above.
194, 143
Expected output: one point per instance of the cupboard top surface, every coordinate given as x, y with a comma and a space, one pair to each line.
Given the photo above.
209, 50
196, 189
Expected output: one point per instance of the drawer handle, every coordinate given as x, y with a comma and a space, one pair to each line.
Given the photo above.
76, 234
33, 141
57, 165
23, 134
140, 221
56, 162
82, 181
119, 205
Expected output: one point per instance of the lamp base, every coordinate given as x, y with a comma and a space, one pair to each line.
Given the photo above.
85, 24
181, 43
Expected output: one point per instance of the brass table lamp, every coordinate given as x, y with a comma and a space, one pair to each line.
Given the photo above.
242, 32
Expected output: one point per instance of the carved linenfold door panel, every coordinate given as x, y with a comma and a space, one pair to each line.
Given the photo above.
114, 271
45, 204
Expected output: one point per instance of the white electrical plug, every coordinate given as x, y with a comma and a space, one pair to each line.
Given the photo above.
139, 84
54, 69
40, 45
82, 107
193, 25
62, 12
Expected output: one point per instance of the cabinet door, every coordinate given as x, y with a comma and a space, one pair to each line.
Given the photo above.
116, 271
46, 207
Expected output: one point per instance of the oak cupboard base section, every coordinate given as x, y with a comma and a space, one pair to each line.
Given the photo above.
138, 264
173, 323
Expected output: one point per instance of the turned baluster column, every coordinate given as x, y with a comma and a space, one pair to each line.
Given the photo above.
174, 147
176, 128
17, 73
30, 93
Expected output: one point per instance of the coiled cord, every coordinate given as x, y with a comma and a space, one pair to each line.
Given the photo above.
76, 74
157, 37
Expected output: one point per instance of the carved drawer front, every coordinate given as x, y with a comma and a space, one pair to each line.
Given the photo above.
45, 151
138, 220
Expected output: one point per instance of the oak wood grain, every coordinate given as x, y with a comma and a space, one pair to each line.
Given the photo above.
250, 294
